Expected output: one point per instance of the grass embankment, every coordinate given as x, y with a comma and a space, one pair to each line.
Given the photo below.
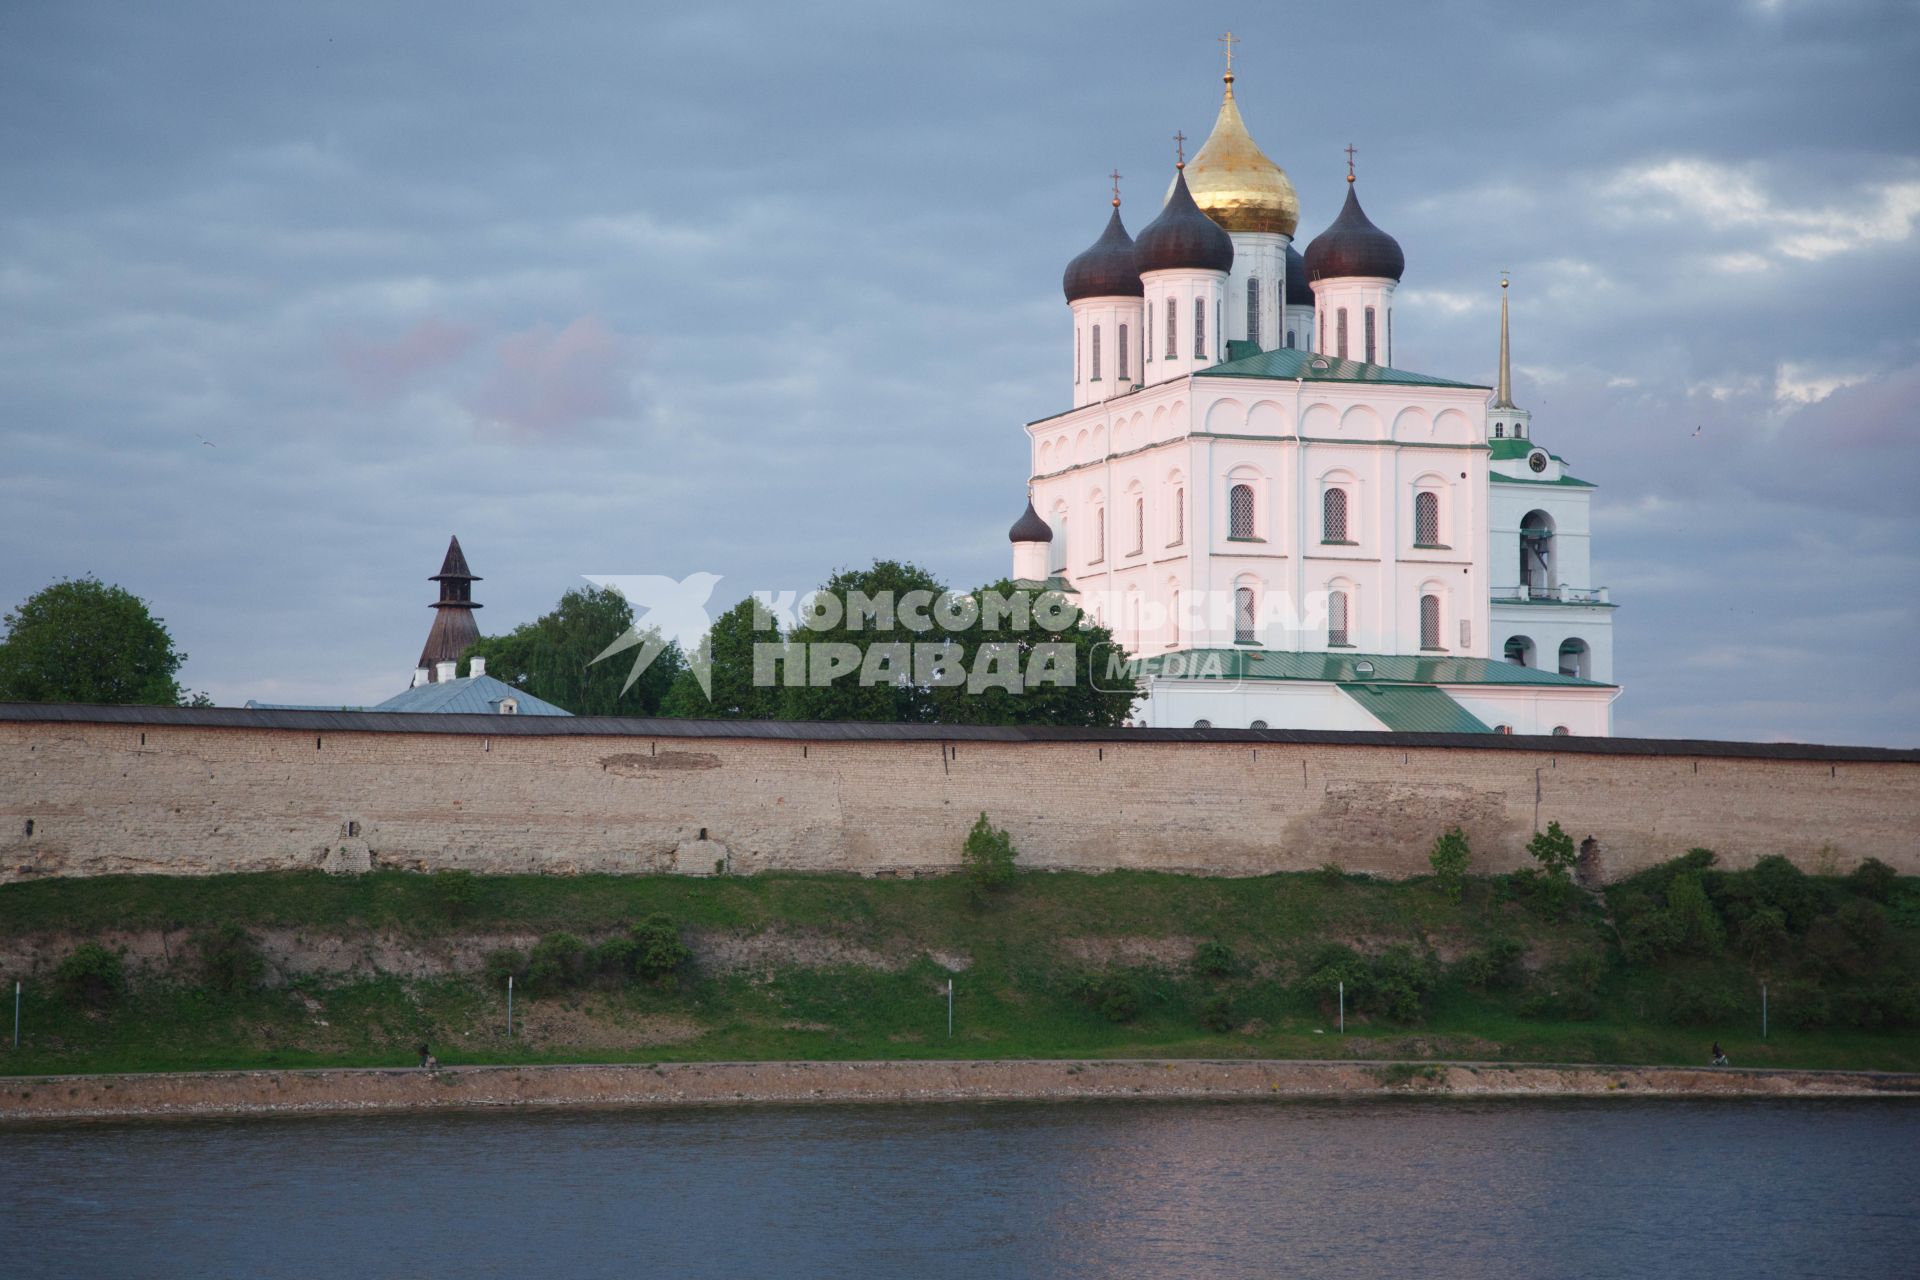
1055, 965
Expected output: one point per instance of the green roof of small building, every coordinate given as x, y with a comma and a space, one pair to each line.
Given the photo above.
1290, 363
1415, 709
1514, 448
1566, 481
1343, 668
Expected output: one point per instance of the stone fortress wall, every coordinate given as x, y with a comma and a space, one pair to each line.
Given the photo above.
93, 791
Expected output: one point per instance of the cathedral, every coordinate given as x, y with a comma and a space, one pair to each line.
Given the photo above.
1282, 528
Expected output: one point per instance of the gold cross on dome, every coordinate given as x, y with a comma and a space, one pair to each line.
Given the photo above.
1228, 41
1349, 159
1115, 175
1180, 149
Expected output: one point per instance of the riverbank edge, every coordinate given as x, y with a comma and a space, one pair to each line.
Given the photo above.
390, 1089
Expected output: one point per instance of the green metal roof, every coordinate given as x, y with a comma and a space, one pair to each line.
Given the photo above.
1415, 708
1289, 363
1567, 481
1514, 448
1338, 668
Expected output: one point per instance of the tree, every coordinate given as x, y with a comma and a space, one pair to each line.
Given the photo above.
1071, 682
727, 649
81, 640
552, 657
898, 699
1449, 859
1553, 850
987, 857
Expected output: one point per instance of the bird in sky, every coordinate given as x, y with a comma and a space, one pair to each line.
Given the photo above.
1696, 432
203, 440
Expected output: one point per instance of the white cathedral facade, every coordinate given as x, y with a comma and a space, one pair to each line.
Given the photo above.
1284, 529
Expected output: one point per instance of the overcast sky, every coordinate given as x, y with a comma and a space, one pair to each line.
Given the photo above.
765, 290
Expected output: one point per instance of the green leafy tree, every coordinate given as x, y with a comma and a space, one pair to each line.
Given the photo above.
900, 700
727, 650
1072, 682
1449, 859
988, 858
552, 657
1553, 850
83, 640
658, 950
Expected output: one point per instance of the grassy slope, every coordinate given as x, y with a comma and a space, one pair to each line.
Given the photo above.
1016, 999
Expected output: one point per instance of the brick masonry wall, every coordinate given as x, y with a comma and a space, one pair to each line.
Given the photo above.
181, 800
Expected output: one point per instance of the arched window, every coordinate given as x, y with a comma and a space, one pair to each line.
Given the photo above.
1503, 728
1243, 615
1426, 519
1429, 622
1574, 658
1240, 511
1333, 516
1499, 431
1179, 516
1096, 354
1341, 322
1203, 724
1336, 618
1370, 359
1173, 316
1199, 328
1139, 525
1519, 651
1123, 353
1099, 535
1258, 724
1291, 342
1536, 554
1253, 310
1561, 731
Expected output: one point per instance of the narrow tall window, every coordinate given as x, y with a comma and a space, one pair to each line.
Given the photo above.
1240, 511
1429, 622
1426, 519
1123, 353
1076, 356
1341, 322
1499, 430
1370, 359
1099, 535
1139, 525
1173, 619
1096, 354
1253, 310
1199, 328
1336, 617
1173, 316
1179, 516
1333, 516
1149, 343
1291, 343
1243, 615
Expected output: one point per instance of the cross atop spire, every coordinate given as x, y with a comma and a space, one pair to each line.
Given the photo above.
1227, 42
1349, 162
1180, 150
1115, 175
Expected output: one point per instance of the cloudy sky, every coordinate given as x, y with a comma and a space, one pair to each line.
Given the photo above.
769, 289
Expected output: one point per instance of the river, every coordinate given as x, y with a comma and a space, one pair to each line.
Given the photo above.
1720, 1188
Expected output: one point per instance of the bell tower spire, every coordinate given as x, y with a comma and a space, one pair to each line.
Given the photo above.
1503, 393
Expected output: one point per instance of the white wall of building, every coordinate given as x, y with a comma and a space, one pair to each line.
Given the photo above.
1107, 348
1261, 256
1171, 297
1354, 295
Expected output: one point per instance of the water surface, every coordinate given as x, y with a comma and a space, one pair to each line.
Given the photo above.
1372, 1188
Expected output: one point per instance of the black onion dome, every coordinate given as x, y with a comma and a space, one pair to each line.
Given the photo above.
1299, 293
1030, 527
1107, 269
1183, 238
1353, 246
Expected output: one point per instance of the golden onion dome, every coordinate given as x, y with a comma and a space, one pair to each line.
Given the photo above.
1235, 183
